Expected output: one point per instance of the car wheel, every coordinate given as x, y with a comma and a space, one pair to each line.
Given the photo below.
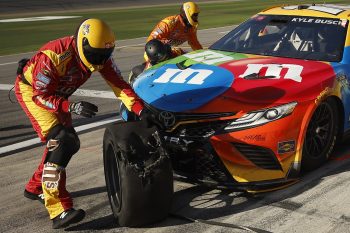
321, 135
138, 174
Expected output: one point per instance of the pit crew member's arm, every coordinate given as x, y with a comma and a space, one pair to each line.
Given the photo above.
121, 89
193, 40
161, 32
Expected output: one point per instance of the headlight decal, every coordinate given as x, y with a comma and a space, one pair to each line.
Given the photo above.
261, 117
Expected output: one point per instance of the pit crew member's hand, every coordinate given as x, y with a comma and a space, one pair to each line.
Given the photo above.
83, 108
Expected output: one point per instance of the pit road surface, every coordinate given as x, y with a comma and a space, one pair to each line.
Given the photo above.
318, 203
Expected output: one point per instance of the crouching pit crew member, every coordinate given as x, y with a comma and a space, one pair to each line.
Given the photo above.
177, 29
43, 86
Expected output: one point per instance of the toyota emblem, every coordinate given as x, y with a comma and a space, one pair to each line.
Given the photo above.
167, 118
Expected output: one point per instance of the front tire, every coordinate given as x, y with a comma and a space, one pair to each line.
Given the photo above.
321, 135
139, 177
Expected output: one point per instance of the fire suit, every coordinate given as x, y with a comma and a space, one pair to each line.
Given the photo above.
172, 30
48, 79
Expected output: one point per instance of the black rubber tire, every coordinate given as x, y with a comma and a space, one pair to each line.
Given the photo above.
139, 184
321, 135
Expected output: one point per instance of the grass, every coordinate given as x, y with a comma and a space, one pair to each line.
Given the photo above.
128, 23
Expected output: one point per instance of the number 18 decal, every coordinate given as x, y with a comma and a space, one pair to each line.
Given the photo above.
188, 76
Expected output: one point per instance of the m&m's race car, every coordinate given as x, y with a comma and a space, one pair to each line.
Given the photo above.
263, 104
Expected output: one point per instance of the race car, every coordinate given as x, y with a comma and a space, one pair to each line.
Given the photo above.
262, 105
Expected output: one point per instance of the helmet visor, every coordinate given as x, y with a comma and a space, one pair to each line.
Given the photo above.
96, 56
195, 17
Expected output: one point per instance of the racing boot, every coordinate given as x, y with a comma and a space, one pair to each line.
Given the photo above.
68, 217
33, 196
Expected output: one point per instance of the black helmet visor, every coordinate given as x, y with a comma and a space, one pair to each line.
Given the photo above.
96, 56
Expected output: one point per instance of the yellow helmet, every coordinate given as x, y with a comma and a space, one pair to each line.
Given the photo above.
189, 11
95, 43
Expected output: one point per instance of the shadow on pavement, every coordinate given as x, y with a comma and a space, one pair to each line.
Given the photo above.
87, 192
203, 204
104, 223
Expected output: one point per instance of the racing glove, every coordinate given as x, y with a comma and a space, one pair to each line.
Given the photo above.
83, 108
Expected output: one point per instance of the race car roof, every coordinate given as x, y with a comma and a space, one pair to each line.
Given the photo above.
313, 10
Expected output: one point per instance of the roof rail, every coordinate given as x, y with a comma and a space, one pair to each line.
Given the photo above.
302, 7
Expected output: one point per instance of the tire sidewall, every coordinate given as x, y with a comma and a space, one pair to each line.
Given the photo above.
109, 140
308, 162
142, 201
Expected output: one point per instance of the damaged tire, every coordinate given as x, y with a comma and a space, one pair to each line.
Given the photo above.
138, 174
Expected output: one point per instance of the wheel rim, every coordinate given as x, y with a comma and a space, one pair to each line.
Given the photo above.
114, 177
319, 131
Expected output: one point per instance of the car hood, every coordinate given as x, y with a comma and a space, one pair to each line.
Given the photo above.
193, 80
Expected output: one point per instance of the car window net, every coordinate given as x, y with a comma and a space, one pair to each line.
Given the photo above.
288, 36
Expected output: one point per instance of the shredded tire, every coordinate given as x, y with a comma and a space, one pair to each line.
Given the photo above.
138, 173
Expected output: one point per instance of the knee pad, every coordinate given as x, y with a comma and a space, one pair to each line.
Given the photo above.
62, 145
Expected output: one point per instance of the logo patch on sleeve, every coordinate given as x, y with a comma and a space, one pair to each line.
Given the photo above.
41, 82
44, 79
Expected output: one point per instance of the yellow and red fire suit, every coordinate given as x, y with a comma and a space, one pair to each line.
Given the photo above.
48, 79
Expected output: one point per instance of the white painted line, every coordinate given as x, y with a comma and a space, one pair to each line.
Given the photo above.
15, 54
35, 141
19, 145
8, 63
78, 92
5, 87
224, 32
41, 18
132, 45
95, 93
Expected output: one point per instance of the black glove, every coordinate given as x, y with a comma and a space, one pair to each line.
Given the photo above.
83, 108
149, 119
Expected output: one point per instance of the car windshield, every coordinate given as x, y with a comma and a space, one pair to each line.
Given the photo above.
288, 36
